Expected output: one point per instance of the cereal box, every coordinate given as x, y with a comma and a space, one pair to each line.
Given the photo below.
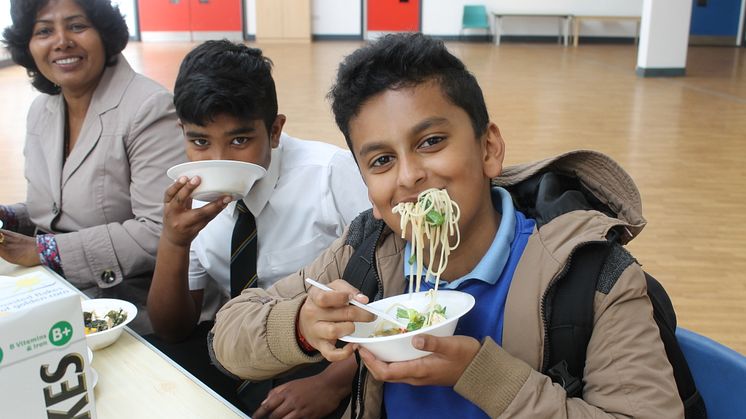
44, 366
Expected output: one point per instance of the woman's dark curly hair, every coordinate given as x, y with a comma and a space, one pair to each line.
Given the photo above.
104, 16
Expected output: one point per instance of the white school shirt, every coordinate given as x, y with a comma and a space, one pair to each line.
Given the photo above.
311, 191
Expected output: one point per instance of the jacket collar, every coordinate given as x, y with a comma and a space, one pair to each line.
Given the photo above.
601, 175
108, 95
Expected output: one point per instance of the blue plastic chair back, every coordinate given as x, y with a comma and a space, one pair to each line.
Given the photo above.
719, 373
475, 17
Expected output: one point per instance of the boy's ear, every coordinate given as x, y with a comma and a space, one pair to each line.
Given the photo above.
494, 152
274, 136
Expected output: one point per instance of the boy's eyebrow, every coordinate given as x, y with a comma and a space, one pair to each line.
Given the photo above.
235, 131
241, 130
419, 127
370, 148
191, 133
427, 123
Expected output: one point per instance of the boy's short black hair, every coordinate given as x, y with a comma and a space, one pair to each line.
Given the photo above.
222, 77
104, 16
404, 60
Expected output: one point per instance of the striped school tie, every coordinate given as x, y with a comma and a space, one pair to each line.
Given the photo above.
243, 251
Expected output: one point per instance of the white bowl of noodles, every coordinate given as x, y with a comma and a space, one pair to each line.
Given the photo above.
398, 347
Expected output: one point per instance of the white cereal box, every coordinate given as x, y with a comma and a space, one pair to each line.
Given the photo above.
44, 366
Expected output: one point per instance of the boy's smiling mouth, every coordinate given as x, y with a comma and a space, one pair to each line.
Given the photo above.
412, 198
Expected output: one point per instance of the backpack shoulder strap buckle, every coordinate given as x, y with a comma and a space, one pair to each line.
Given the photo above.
560, 375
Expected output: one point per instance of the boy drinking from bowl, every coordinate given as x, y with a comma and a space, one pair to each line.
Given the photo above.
227, 105
415, 118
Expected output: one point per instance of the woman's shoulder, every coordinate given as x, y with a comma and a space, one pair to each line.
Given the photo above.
41, 107
148, 86
142, 98
130, 87
143, 90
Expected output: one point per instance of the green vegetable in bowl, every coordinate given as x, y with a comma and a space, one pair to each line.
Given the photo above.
94, 323
419, 320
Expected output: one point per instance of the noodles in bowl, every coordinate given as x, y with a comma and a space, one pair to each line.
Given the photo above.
398, 347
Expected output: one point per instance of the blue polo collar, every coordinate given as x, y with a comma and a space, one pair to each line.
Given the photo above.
492, 263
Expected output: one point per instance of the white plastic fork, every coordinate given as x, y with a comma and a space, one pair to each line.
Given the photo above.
369, 309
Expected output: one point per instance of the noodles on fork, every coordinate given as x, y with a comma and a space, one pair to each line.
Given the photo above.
434, 217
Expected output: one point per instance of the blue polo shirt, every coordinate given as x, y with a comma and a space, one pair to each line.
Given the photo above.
489, 283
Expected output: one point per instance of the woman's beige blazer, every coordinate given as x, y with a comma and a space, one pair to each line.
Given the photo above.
105, 203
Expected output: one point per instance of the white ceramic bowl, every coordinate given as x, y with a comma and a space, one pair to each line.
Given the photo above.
399, 347
94, 379
219, 177
94, 373
102, 306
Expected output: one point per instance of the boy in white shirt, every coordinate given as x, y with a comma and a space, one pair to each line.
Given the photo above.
226, 102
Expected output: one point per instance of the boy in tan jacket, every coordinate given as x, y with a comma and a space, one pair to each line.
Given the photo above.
415, 119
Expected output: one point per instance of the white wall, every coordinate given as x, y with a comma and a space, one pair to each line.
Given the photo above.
336, 17
127, 7
250, 12
443, 17
578, 7
5, 20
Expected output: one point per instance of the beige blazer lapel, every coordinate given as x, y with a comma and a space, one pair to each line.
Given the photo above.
107, 96
51, 136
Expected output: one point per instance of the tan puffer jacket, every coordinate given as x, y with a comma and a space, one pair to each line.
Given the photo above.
626, 375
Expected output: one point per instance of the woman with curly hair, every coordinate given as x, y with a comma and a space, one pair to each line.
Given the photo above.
98, 142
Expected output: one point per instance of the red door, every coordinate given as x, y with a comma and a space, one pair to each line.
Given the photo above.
163, 15
189, 20
216, 15
394, 15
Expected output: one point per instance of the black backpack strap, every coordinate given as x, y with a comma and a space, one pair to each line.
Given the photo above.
596, 267
569, 311
665, 317
360, 271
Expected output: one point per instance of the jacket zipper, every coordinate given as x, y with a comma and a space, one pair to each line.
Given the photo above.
545, 309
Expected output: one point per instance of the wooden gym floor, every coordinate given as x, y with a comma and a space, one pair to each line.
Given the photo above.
683, 140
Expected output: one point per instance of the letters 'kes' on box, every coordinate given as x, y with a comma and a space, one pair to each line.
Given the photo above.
44, 367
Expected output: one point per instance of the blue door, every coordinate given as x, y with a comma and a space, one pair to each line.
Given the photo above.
716, 18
